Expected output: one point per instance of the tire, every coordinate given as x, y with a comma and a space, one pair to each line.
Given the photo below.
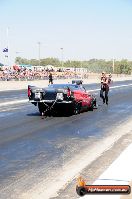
41, 108
91, 106
95, 106
76, 108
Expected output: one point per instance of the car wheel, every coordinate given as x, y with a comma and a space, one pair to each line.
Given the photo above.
76, 108
91, 106
41, 108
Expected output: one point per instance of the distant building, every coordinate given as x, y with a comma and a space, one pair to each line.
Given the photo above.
47, 67
27, 66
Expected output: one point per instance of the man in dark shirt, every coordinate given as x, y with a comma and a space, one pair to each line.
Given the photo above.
50, 78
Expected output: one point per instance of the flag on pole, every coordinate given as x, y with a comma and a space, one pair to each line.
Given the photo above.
5, 50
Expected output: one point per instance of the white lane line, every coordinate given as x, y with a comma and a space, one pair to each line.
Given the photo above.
14, 102
26, 100
112, 87
120, 170
10, 109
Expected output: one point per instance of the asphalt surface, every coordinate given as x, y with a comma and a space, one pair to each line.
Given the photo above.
33, 149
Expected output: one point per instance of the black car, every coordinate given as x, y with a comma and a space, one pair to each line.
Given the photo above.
64, 98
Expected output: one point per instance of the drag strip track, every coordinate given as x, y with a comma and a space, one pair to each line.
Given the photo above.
32, 149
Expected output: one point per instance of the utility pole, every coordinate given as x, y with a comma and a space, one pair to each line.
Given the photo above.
17, 52
7, 35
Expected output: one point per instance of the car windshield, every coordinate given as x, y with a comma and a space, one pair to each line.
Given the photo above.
64, 86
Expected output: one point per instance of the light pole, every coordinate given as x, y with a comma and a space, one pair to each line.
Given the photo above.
17, 52
61, 57
7, 56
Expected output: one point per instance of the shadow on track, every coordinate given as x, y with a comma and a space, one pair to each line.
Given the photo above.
48, 115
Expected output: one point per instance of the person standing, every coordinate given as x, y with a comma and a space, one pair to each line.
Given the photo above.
104, 88
109, 78
50, 78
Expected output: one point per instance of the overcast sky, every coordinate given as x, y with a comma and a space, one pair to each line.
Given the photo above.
84, 28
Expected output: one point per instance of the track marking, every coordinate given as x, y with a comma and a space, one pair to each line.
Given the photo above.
112, 87
13, 102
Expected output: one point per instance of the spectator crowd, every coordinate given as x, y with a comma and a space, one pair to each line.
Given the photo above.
23, 73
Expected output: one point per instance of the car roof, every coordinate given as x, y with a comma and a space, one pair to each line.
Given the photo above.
73, 86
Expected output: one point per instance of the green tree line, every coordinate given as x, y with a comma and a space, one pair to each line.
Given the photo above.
93, 65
